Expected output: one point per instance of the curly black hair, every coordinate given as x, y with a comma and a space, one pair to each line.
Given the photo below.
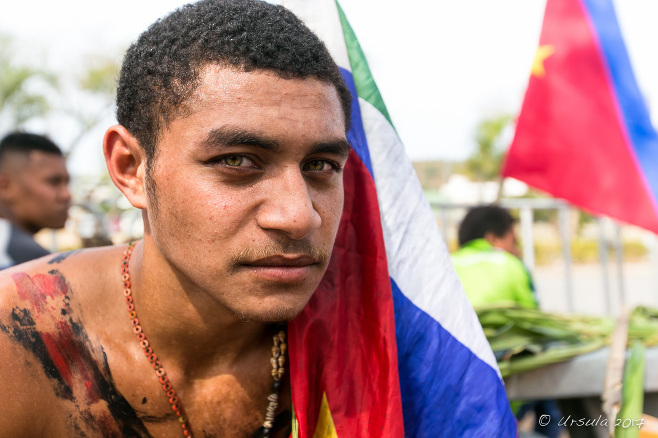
161, 69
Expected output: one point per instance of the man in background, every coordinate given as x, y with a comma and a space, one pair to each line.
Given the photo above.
34, 194
488, 265
487, 260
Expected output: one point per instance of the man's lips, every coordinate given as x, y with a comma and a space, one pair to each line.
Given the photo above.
294, 261
282, 268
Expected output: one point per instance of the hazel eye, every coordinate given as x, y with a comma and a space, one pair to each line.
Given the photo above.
316, 165
233, 160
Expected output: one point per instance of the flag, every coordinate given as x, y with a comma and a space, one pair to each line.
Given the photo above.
584, 132
388, 345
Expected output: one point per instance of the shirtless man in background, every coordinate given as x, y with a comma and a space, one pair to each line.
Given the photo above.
231, 140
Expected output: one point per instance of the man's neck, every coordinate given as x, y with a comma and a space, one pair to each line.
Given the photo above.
187, 327
6, 213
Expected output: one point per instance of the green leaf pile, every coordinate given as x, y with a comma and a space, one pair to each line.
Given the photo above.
525, 339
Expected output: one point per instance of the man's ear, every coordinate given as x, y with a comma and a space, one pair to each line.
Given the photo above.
6, 188
491, 237
126, 163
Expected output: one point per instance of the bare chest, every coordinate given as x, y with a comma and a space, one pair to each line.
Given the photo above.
135, 406
224, 405
107, 390
88, 380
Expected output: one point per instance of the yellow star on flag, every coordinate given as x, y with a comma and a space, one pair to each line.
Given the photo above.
543, 52
325, 427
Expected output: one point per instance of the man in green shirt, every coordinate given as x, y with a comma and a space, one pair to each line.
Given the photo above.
491, 272
487, 261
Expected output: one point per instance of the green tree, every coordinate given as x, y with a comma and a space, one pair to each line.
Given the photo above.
23, 89
484, 164
98, 85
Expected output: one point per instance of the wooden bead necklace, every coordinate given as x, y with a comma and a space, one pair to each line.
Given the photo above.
277, 360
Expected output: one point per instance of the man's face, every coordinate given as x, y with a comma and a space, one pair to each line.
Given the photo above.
247, 190
38, 190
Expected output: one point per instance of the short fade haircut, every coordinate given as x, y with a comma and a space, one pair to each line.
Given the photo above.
161, 70
24, 143
482, 220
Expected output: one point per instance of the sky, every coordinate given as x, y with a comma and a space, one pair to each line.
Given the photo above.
441, 65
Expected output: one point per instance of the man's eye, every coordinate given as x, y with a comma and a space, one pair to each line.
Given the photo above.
318, 165
54, 181
234, 160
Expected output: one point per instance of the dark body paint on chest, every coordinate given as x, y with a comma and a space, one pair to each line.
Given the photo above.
78, 373
68, 359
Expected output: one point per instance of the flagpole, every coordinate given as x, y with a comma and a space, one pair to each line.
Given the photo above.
499, 196
619, 255
563, 218
603, 257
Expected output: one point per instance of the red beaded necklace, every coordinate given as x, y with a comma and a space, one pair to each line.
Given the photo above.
277, 360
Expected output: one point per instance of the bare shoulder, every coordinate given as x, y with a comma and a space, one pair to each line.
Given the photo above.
45, 348
51, 284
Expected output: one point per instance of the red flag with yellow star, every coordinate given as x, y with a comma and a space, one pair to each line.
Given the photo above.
584, 132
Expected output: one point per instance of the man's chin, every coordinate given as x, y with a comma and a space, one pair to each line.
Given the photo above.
56, 224
272, 314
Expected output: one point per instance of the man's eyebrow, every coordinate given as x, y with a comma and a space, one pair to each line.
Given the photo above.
339, 147
235, 137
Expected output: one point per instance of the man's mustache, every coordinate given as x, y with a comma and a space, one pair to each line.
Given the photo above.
297, 248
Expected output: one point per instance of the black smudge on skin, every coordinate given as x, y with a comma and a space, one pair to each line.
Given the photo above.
24, 332
73, 345
59, 258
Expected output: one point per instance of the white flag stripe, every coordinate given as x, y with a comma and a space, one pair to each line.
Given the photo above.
418, 259
323, 19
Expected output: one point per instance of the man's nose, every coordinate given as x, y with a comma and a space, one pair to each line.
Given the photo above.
288, 206
65, 193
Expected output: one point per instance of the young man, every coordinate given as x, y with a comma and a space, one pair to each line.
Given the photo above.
34, 194
231, 140
487, 260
